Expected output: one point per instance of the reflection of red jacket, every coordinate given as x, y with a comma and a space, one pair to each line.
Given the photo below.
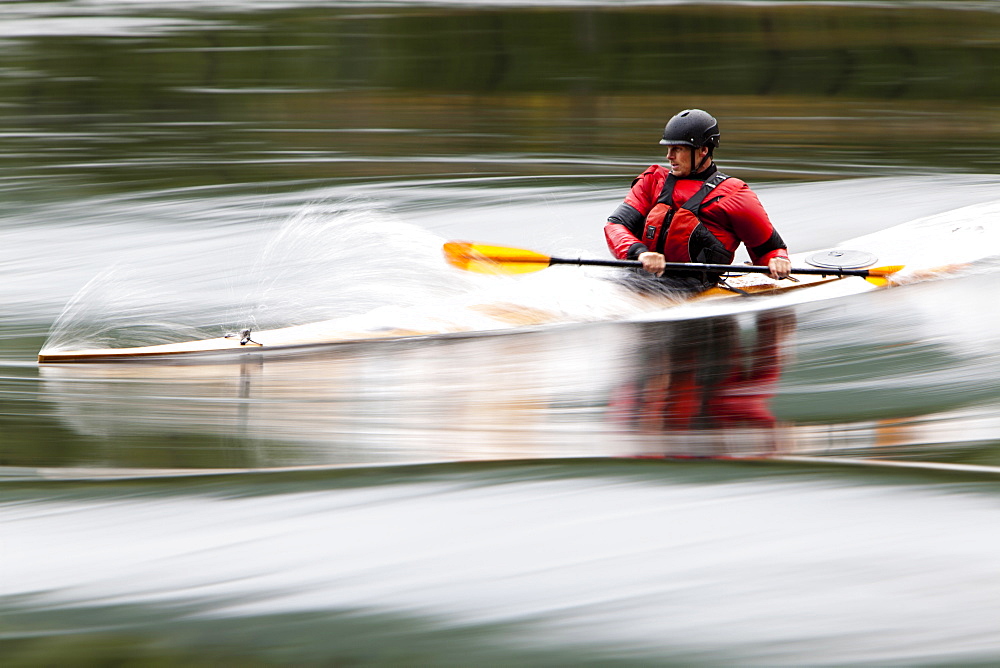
679, 401
707, 379
742, 399
732, 216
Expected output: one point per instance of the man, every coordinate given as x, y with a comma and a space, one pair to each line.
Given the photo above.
689, 211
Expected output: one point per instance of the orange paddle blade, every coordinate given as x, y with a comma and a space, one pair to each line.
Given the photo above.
493, 259
880, 275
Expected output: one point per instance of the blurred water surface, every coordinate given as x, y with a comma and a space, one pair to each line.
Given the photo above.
179, 170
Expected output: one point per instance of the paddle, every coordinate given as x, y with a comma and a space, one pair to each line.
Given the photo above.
500, 259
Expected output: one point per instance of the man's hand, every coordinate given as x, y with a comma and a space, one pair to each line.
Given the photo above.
779, 267
654, 263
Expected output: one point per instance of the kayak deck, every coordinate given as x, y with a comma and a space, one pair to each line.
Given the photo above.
268, 340
505, 316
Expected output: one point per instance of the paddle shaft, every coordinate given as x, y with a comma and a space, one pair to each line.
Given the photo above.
712, 268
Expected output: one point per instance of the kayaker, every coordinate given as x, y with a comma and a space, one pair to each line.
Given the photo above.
689, 211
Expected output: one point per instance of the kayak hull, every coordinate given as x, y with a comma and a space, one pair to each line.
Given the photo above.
505, 316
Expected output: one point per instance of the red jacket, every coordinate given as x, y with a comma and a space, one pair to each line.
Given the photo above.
731, 213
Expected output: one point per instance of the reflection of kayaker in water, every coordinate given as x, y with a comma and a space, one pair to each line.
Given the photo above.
699, 375
689, 211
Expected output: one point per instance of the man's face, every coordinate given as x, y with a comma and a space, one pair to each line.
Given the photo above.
680, 159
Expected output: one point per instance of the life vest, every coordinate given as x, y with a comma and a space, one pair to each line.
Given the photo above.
678, 233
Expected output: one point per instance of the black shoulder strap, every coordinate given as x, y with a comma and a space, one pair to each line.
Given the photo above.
667, 191
694, 204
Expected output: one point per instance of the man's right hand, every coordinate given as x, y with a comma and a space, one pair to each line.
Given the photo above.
652, 262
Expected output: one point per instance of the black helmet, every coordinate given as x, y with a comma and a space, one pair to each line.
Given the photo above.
691, 127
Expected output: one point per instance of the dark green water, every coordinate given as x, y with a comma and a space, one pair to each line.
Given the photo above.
176, 170
181, 95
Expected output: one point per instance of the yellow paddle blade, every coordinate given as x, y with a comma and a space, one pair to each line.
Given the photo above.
493, 259
880, 275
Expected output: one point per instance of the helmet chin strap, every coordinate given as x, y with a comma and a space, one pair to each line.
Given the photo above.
697, 169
